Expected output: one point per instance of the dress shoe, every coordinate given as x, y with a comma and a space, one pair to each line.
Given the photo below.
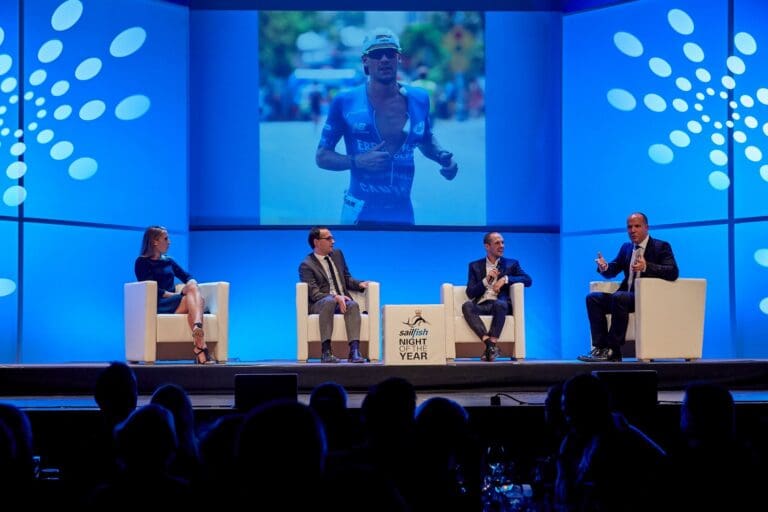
328, 357
490, 354
355, 356
613, 355
354, 353
597, 354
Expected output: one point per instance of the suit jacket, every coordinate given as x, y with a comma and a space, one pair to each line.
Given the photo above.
312, 272
507, 266
658, 256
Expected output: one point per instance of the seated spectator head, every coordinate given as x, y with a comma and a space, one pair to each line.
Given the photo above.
218, 443
146, 440
281, 442
553, 411
444, 417
116, 391
175, 399
18, 445
442, 426
586, 403
328, 395
707, 413
388, 408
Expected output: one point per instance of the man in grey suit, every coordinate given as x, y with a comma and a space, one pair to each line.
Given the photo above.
326, 273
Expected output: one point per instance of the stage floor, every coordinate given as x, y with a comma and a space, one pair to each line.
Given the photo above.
462, 376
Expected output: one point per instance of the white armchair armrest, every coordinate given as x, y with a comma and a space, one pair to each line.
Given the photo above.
140, 312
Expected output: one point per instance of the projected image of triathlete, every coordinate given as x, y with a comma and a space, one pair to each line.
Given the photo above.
382, 122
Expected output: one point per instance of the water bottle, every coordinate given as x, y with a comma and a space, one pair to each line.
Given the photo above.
496, 462
495, 478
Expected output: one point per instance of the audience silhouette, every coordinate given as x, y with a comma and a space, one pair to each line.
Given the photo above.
448, 458
186, 464
714, 468
145, 444
17, 466
545, 472
604, 461
218, 445
393, 457
116, 394
281, 457
329, 401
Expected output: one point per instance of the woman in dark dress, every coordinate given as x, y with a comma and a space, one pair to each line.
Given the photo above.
154, 265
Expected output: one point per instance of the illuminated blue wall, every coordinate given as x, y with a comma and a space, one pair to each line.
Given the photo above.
93, 148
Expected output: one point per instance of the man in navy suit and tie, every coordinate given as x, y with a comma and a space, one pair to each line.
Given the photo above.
325, 271
488, 290
642, 257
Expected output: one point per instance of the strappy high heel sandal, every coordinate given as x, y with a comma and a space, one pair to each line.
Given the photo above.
201, 355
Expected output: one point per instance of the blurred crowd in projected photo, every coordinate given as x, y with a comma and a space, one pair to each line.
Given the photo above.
307, 57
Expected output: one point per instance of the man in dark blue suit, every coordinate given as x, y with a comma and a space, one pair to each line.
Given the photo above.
488, 290
642, 257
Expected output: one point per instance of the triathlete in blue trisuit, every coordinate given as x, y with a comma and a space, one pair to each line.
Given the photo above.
381, 122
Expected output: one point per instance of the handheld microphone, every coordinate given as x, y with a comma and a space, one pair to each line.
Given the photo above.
491, 278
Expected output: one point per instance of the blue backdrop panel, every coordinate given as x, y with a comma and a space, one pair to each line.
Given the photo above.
224, 115
263, 269
73, 291
112, 147
751, 266
9, 290
750, 185
607, 169
523, 118
9, 112
578, 269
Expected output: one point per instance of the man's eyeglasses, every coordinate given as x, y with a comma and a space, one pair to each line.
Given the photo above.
390, 53
325, 238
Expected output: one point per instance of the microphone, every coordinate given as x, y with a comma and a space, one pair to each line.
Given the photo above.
491, 278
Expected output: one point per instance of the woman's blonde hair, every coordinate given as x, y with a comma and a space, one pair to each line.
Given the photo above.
151, 234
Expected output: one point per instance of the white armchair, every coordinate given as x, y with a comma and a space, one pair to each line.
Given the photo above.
308, 342
150, 336
460, 341
668, 322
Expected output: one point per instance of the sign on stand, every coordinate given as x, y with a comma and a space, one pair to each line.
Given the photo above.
414, 334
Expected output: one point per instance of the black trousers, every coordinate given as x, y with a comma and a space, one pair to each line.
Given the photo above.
619, 305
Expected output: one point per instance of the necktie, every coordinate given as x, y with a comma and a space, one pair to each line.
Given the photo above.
635, 254
339, 290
